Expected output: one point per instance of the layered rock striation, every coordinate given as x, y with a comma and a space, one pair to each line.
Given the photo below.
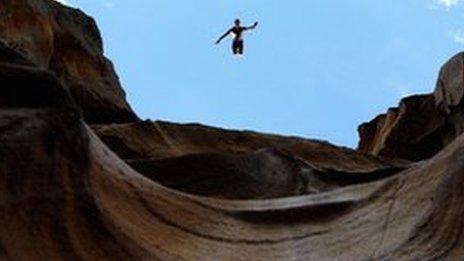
164, 191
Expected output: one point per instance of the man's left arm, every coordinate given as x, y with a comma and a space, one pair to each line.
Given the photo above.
252, 27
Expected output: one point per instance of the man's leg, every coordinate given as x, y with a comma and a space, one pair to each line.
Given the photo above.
235, 47
240, 48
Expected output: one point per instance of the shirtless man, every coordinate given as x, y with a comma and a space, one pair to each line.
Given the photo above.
237, 35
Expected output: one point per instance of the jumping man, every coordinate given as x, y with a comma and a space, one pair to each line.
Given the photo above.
237, 35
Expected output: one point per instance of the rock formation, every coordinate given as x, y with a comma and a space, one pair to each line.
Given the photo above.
67, 43
422, 125
164, 191
211, 161
148, 139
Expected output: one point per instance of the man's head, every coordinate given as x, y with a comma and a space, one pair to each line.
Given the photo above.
237, 22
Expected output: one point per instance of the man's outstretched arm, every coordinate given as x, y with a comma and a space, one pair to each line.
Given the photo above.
223, 36
252, 27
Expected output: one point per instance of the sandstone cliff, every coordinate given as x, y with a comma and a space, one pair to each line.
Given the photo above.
422, 125
164, 191
67, 43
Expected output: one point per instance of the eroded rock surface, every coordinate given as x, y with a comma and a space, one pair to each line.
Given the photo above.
422, 125
67, 43
65, 195
163, 139
239, 164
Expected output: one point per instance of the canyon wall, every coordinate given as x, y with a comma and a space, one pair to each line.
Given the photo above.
67, 43
421, 125
95, 183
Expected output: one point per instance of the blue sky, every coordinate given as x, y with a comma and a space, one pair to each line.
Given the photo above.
314, 68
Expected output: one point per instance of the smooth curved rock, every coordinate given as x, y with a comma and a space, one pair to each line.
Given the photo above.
65, 195
450, 85
261, 174
266, 173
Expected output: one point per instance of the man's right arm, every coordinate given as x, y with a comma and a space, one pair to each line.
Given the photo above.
223, 36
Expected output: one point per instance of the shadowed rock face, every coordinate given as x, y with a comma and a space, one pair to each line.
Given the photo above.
266, 173
413, 131
262, 174
67, 43
239, 164
162, 139
422, 125
202, 193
